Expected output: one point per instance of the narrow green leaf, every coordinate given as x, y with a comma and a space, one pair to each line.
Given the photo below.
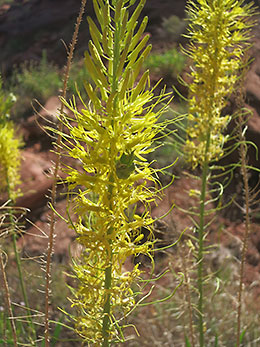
139, 63
242, 335
98, 13
134, 55
125, 84
105, 43
95, 55
118, 8
110, 101
132, 22
106, 15
91, 69
56, 333
95, 35
123, 31
187, 342
124, 55
139, 33
95, 72
125, 165
92, 96
140, 86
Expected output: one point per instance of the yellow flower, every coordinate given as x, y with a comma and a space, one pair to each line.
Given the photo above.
9, 148
111, 136
218, 32
9, 160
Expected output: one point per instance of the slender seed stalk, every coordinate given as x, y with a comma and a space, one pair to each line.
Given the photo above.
188, 296
8, 300
55, 177
244, 172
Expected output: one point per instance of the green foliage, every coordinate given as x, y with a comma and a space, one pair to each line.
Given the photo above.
41, 81
168, 64
2, 2
6, 331
172, 28
7, 101
169, 147
78, 76
34, 81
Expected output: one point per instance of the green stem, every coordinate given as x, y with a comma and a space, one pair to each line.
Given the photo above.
108, 270
8, 304
205, 171
108, 279
19, 266
107, 307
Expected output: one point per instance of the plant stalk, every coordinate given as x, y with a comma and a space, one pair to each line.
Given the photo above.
187, 293
243, 151
8, 300
55, 177
108, 278
107, 307
244, 172
19, 266
108, 270
205, 172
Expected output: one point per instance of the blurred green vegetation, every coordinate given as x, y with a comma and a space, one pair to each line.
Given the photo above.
2, 2
169, 149
40, 81
33, 81
167, 64
172, 28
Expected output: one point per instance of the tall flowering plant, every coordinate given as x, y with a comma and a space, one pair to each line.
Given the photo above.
110, 136
218, 33
10, 161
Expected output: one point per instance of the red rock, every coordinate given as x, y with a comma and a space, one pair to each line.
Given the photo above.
35, 241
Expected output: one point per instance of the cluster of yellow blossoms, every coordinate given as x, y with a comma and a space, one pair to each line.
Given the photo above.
111, 137
218, 35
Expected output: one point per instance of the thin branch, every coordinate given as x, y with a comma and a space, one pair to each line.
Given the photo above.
8, 300
244, 172
55, 175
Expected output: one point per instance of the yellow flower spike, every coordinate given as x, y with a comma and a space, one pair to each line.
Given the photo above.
217, 32
9, 160
9, 148
110, 137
